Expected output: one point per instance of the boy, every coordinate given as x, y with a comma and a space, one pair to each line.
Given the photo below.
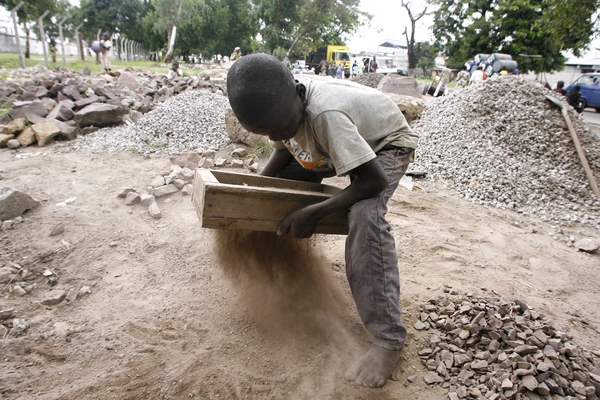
321, 127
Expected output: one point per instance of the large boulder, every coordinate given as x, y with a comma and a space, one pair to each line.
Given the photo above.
128, 81
15, 126
404, 85
26, 137
410, 106
44, 132
14, 203
61, 113
238, 134
99, 114
36, 107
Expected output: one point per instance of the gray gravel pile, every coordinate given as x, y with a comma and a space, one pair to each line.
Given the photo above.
190, 121
371, 79
501, 143
492, 348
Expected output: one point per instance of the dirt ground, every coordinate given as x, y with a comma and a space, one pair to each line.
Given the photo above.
162, 321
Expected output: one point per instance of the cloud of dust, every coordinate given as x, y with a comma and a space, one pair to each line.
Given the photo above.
283, 282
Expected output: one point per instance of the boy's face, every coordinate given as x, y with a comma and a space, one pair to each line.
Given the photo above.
282, 122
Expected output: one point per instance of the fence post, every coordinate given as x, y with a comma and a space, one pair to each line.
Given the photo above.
43, 36
62, 39
13, 14
77, 39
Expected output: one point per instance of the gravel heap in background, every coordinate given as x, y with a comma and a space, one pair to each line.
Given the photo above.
494, 348
501, 143
190, 121
371, 79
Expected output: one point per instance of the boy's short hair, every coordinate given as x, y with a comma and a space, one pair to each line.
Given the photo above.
255, 83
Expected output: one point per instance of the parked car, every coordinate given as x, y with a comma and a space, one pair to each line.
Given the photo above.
589, 86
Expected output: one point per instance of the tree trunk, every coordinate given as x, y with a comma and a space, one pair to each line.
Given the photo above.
26, 39
286, 59
169, 55
410, 43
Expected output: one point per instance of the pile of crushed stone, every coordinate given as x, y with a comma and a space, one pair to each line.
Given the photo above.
494, 348
501, 143
191, 121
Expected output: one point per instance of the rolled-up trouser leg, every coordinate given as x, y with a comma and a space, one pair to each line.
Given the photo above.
372, 260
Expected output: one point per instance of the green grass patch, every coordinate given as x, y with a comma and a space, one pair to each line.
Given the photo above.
11, 61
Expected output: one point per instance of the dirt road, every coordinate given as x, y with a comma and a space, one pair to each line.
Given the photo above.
161, 321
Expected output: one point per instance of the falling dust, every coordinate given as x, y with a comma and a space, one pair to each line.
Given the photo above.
282, 282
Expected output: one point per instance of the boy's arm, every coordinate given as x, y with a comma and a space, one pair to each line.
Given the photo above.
278, 160
367, 180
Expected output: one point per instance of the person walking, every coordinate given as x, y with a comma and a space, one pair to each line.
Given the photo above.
445, 79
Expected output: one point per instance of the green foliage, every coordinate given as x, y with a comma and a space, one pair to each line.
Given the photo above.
308, 24
426, 54
464, 28
123, 16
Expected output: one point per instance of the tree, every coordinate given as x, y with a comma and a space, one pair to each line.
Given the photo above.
286, 23
31, 10
425, 53
122, 16
410, 42
543, 28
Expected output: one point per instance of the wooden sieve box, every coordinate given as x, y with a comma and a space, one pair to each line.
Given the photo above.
229, 200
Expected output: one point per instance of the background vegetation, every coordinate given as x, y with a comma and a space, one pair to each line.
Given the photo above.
290, 28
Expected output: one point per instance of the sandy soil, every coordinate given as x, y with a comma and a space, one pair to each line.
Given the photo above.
162, 320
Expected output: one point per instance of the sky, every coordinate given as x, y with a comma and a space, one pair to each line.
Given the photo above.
388, 23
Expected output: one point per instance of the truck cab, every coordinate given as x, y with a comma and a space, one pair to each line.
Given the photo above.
333, 56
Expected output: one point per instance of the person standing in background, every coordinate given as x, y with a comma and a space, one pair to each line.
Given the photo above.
105, 52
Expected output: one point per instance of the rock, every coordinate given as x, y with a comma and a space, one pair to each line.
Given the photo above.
128, 81
123, 193
86, 101
35, 108
12, 144
402, 85
132, 198
19, 326
187, 189
163, 190
239, 152
44, 133
99, 115
14, 203
68, 129
238, 134
71, 92
183, 160
7, 313
17, 291
158, 181
26, 137
54, 297
419, 326
588, 244
411, 108
15, 126
4, 139
57, 230
83, 291
61, 113
154, 211
432, 377
147, 199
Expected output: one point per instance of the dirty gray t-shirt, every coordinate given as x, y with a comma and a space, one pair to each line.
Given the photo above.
344, 125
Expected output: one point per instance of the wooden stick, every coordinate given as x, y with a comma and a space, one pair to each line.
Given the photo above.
580, 152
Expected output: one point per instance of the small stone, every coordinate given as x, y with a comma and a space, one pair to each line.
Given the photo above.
124, 191
431, 377
154, 211
530, 382
147, 199
411, 378
187, 189
132, 198
420, 326
17, 291
506, 384
57, 230
54, 297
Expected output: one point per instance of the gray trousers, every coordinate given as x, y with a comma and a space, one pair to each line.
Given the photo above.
371, 257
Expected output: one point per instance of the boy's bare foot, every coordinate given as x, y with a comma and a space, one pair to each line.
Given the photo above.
374, 368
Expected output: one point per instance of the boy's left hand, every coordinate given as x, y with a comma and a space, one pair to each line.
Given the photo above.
299, 224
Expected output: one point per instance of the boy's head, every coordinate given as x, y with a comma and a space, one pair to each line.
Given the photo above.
264, 96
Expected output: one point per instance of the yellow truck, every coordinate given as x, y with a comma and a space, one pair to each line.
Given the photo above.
332, 55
